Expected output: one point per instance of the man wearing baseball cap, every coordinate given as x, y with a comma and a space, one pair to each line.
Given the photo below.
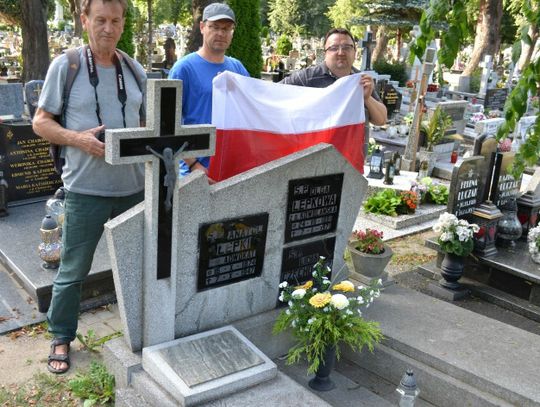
198, 69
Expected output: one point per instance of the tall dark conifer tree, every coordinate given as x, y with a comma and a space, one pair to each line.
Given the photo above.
246, 44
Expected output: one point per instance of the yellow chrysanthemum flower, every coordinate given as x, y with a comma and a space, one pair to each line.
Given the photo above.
320, 300
305, 286
345, 286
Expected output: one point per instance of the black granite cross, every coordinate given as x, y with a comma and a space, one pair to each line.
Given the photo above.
163, 138
367, 48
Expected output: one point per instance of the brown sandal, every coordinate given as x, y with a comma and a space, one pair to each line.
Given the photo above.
58, 357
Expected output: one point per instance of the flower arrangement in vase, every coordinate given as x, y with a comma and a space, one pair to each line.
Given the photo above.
533, 238
456, 240
456, 235
322, 315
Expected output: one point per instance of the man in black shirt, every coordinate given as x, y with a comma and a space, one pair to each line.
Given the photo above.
339, 52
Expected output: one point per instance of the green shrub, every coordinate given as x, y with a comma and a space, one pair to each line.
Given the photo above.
246, 43
126, 40
283, 45
398, 71
474, 85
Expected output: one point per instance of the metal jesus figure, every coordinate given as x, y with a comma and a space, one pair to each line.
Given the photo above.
169, 179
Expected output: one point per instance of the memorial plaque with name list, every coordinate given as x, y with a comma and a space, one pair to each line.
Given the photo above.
231, 250
313, 206
25, 161
298, 261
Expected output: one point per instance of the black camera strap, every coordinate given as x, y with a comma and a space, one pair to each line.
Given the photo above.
94, 81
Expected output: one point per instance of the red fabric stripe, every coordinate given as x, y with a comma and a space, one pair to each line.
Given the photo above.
240, 150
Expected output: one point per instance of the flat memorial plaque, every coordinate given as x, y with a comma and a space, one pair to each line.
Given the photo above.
312, 206
231, 250
24, 158
496, 98
208, 358
298, 261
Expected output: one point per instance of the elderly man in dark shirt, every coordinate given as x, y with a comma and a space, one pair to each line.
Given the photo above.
339, 52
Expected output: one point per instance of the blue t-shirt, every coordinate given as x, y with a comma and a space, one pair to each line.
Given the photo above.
197, 75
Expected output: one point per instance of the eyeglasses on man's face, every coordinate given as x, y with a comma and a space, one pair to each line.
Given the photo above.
342, 47
225, 29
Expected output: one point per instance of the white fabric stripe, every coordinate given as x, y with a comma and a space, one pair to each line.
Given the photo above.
239, 102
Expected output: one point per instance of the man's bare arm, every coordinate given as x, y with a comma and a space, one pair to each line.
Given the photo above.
45, 126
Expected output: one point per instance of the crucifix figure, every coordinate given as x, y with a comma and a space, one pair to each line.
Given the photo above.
367, 48
160, 146
170, 172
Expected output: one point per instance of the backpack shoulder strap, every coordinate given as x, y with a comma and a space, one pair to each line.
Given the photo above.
74, 64
138, 78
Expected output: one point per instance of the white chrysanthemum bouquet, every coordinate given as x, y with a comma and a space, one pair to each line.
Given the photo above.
533, 238
322, 314
456, 235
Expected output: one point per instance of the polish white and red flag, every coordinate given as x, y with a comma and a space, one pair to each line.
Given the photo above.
259, 121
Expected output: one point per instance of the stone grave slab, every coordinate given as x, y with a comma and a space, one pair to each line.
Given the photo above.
11, 100
208, 365
20, 257
424, 213
16, 309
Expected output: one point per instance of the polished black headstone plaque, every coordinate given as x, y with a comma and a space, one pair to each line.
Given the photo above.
298, 260
495, 98
313, 206
24, 158
391, 98
466, 186
231, 250
505, 187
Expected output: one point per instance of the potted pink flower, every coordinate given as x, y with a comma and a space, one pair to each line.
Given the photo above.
369, 254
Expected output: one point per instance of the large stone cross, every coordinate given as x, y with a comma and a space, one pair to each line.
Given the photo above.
367, 48
160, 145
486, 72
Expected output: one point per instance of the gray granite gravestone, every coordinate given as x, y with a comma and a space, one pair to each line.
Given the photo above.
456, 110
32, 90
292, 209
11, 100
205, 217
466, 186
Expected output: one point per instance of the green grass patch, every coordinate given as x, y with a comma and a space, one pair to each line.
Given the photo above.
44, 390
95, 386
